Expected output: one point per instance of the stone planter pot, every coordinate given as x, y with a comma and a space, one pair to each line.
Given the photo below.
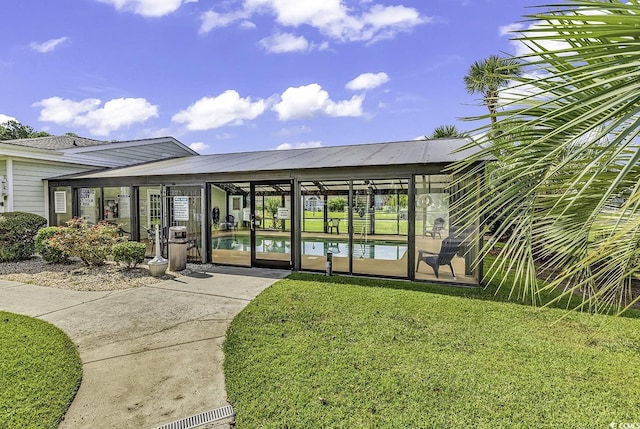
158, 266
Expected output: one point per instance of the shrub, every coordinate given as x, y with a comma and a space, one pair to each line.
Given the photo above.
44, 247
130, 253
337, 204
17, 235
92, 244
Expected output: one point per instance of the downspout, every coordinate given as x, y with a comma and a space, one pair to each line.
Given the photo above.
10, 204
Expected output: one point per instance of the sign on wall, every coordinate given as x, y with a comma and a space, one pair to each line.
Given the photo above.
283, 212
181, 208
124, 202
87, 197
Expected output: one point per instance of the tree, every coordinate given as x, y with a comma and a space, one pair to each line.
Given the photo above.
446, 131
13, 130
488, 76
568, 185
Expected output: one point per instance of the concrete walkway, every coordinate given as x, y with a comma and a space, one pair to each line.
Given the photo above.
150, 355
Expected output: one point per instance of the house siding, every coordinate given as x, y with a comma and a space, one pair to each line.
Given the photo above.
29, 188
143, 153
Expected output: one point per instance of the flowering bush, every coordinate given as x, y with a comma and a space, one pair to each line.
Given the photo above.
92, 244
45, 248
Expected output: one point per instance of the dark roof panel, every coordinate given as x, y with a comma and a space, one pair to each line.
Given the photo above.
375, 154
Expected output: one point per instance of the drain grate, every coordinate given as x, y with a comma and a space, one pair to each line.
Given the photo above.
201, 419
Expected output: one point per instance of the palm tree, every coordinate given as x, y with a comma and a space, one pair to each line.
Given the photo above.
446, 131
488, 76
568, 187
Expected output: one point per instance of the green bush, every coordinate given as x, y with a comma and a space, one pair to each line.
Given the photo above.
44, 247
337, 204
17, 235
130, 253
92, 244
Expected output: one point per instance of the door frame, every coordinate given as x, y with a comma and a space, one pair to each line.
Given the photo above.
263, 262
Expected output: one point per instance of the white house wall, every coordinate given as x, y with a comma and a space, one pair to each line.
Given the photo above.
28, 187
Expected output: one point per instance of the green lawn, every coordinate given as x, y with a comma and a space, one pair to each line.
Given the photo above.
40, 372
386, 223
356, 352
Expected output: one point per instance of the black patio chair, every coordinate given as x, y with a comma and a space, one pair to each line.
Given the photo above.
229, 223
450, 246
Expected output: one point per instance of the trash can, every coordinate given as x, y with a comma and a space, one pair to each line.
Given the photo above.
177, 248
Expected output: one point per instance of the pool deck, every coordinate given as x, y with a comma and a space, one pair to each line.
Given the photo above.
365, 266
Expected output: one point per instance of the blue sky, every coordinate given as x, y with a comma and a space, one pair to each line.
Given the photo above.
240, 75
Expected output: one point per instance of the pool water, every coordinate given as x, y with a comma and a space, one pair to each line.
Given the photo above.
370, 249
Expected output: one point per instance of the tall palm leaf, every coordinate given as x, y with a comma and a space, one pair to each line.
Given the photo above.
568, 185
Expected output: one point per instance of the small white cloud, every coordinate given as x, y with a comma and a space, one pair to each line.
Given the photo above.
305, 145
214, 112
223, 136
247, 25
281, 43
49, 45
148, 8
311, 100
290, 131
6, 118
113, 115
199, 147
368, 81
508, 29
384, 22
212, 19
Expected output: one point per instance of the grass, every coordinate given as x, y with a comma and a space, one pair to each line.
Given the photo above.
313, 351
40, 372
386, 223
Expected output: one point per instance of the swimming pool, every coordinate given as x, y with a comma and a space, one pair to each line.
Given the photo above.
370, 249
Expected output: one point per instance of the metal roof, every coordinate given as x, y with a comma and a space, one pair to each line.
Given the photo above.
440, 151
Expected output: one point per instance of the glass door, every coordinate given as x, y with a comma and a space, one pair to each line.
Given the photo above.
270, 218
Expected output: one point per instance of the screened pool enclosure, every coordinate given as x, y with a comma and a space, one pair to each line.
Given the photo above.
379, 209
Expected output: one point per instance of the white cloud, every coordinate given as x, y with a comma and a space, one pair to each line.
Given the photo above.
6, 118
148, 8
247, 25
311, 100
367, 81
332, 18
199, 146
304, 145
49, 45
65, 111
521, 49
212, 19
281, 43
507, 30
286, 132
113, 115
214, 112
